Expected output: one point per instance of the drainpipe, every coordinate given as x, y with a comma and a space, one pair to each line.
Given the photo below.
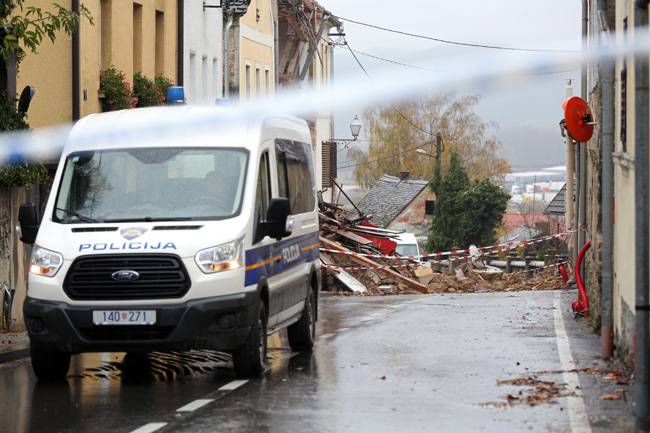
607, 223
76, 103
226, 56
180, 41
641, 227
570, 189
582, 147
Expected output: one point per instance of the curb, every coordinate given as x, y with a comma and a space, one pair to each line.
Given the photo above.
14, 355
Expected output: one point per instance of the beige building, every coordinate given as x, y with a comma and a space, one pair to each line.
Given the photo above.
257, 49
132, 35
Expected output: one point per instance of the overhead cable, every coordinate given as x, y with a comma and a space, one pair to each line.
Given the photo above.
451, 42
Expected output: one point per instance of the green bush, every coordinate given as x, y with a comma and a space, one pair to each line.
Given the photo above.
116, 90
23, 174
162, 84
19, 174
146, 91
10, 118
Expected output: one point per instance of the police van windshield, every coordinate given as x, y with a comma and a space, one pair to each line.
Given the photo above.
151, 184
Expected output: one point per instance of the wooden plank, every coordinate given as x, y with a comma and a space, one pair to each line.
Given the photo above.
389, 273
353, 237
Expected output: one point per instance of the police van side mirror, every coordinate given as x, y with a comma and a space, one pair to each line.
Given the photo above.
276, 218
28, 222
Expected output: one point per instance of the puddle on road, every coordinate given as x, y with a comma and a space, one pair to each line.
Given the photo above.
165, 366
158, 366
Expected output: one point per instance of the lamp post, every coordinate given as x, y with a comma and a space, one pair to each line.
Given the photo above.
332, 151
437, 156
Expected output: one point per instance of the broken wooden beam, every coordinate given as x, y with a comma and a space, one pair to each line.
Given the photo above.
364, 261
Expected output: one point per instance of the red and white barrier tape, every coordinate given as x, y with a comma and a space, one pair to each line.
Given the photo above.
507, 245
363, 268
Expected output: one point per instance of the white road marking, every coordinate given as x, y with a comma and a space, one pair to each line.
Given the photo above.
149, 428
326, 336
577, 413
342, 329
231, 386
191, 407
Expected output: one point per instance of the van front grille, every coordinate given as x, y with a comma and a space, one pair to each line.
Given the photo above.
161, 276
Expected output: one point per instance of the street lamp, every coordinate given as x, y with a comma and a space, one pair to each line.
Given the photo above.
423, 152
355, 129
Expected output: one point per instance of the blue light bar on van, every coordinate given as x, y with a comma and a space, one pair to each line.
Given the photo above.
175, 95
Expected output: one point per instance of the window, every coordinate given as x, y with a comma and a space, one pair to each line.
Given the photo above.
248, 81
137, 38
204, 77
267, 83
160, 42
215, 74
623, 131
429, 207
295, 175
192, 77
258, 81
105, 34
147, 184
263, 194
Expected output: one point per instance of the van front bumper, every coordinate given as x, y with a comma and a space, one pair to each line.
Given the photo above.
217, 323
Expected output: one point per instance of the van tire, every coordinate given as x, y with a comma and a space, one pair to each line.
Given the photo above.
303, 333
50, 366
249, 360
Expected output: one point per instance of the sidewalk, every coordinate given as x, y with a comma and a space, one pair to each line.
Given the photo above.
13, 346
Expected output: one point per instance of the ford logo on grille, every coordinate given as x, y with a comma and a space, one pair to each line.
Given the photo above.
125, 275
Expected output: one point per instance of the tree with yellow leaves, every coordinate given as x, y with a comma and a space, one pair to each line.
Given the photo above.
396, 131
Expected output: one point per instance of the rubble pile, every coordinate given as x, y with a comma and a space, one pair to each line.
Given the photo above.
473, 281
352, 274
343, 231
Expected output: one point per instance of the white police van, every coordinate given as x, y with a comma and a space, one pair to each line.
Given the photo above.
199, 237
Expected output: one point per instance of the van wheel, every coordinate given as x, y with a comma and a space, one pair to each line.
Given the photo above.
50, 366
303, 333
250, 358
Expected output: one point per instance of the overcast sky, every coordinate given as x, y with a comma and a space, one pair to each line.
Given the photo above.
527, 114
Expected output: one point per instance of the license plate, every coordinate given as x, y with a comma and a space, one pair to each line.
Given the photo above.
124, 317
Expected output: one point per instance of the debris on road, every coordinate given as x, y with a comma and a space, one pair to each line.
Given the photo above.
536, 392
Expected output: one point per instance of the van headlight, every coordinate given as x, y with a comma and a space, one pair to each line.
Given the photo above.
223, 257
45, 262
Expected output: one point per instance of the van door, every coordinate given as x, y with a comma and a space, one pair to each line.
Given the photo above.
260, 257
296, 182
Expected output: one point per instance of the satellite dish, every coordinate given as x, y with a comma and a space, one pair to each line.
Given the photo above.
579, 120
25, 99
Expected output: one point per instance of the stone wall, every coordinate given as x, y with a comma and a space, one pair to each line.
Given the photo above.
13, 254
593, 258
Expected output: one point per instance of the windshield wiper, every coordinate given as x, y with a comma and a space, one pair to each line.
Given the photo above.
79, 216
149, 219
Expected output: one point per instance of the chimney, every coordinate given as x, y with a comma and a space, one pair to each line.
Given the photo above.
404, 175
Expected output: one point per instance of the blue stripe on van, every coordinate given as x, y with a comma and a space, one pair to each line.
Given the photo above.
270, 260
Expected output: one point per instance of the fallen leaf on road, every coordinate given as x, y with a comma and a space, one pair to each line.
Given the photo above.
610, 397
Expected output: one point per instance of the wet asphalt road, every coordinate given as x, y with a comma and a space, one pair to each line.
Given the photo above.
384, 364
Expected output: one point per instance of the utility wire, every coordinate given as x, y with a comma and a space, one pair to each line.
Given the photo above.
409, 149
395, 62
451, 42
